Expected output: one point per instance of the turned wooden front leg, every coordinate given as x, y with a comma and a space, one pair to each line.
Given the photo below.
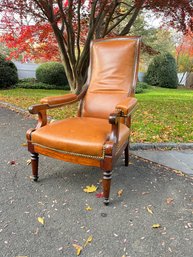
34, 164
107, 175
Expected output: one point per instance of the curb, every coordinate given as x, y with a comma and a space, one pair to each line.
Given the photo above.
133, 146
160, 146
14, 107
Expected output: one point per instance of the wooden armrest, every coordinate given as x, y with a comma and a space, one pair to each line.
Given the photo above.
53, 102
35, 109
114, 120
127, 105
114, 117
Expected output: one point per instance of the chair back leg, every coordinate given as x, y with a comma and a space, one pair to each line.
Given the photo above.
34, 164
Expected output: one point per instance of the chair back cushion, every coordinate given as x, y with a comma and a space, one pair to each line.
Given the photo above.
112, 74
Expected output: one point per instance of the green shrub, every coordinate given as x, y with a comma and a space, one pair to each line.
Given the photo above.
32, 83
141, 86
51, 73
162, 71
8, 73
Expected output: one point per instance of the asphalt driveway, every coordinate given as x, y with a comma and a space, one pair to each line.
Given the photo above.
152, 195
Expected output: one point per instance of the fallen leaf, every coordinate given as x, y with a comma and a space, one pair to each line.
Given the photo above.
149, 210
78, 249
12, 162
156, 225
28, 162
36, 231
145, 193
145, 112
41, 220
88, 208
120, 192
90, 189
24, 144
169, 200
180, 173
99, 195
89, 240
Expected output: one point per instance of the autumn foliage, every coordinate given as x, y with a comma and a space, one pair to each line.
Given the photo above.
49, 30
186, 44
32, 42
184, 52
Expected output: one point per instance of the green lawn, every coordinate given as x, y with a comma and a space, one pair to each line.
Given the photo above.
163, 115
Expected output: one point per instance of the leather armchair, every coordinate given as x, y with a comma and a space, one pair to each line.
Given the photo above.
100, 132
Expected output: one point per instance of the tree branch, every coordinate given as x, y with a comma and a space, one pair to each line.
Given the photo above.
127, 28
120, 20
78, 33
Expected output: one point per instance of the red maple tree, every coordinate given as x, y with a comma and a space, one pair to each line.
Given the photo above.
32, 42
74, 23
186, 44
184, 53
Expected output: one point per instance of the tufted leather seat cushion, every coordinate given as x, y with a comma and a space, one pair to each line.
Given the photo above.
78, 136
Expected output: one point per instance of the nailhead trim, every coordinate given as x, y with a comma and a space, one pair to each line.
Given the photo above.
76, 154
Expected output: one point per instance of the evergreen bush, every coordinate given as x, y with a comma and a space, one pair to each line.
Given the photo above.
51, 73
31, 83
8, 73
162, 71
141, 86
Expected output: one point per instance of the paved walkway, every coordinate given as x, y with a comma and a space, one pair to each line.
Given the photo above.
176, 159
152, 194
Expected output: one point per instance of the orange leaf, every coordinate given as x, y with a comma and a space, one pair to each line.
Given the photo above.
120, 192
169, 200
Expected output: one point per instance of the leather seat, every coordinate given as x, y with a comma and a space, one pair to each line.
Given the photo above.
78, 136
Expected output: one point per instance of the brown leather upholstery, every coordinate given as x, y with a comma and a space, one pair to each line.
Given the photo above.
127, 105
57, 100
112, 76
78, 136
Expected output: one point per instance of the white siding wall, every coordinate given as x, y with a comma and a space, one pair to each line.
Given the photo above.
26, 70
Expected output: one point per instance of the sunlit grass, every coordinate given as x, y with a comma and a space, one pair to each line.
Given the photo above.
163, 115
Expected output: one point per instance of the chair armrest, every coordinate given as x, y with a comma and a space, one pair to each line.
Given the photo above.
53, 102
35, 109
114, 119
49, 103
59, 100
127, 106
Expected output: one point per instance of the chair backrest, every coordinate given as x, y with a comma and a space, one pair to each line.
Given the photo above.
112, 74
